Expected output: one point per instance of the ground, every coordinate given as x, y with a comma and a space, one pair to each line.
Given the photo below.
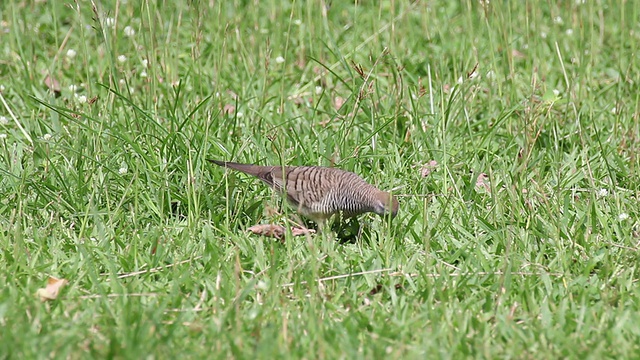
508, 130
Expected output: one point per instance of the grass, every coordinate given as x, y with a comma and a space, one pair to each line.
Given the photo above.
104, 179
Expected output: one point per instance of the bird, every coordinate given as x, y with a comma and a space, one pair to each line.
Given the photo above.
318, 192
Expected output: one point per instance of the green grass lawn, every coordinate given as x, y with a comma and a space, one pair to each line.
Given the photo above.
509, 130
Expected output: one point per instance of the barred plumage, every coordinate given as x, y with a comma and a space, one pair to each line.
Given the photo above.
320, 192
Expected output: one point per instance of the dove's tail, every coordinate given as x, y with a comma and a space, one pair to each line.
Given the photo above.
263, 173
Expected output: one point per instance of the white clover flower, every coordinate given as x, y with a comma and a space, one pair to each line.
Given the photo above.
557, 20
73, 88
81, 98
122, 58
279, 60
556, 92
297, 22
318, 90
614, 110
71, 54
2, 88
110, 22
3, 136
122, 82
262, 285
145, 63
129, 31
143, 74
623, 216
123, 170
569, 32
603, 192
46, 137
4, 120
543, 35
239, 114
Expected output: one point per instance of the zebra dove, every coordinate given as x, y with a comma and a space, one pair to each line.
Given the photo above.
320, 192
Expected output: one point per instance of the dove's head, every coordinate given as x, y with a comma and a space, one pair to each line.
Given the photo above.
385, 204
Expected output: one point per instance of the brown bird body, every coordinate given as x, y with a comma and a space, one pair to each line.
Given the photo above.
320, 192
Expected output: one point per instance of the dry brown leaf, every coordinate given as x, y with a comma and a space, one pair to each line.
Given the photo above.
483, 182
228, 109
52, 84
278, 231
429, 167
300, 231
517, 54
268, 230
51, 291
